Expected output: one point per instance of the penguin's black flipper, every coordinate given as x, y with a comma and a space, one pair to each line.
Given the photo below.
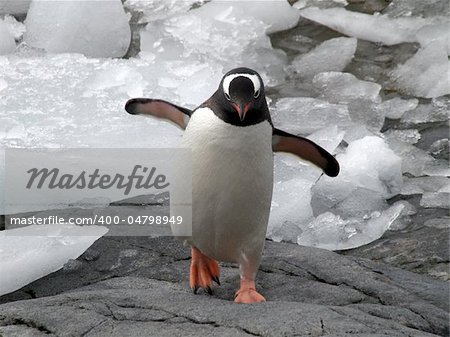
305, 149
159, 109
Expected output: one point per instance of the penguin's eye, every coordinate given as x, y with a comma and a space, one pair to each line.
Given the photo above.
228, 96
256, 94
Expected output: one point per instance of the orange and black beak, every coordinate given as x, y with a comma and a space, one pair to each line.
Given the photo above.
242, 109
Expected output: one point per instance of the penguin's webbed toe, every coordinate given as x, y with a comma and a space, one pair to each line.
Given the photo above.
204, 270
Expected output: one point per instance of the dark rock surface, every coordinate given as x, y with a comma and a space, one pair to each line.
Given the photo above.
138, 286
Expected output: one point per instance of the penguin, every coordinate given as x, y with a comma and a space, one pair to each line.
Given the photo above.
232, 140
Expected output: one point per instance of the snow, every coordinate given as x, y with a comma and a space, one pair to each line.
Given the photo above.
7, 43
92, 28
318, 60
29, 253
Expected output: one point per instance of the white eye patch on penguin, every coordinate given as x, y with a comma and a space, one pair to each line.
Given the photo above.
232, 139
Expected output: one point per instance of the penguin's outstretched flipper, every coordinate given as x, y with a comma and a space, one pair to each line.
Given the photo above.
159, 109
305, 149
204, 270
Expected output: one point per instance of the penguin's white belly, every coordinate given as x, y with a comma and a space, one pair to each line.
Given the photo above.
232, 181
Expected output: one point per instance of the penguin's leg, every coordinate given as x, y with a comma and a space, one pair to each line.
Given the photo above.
247, 292
204, 270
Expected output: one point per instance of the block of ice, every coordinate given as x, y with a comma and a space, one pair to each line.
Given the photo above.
290, 208
293, 179
330, 231
437, 111
404, 218
278, 15
15, 27
414, 160
435, 33
318, 60
158, 9
202, 36
368, 164
374, 28
365, 112
7, 43
429, 8
396, 107
420, 185
29, 253
93, 28
410, 136
304, 115
426, 73
435, 200
342, 87
14, 7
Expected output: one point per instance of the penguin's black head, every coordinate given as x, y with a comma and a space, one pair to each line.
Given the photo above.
241, 97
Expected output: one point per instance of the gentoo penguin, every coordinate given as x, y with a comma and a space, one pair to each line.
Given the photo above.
232, 139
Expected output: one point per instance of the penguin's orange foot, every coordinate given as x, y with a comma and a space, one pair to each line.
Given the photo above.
248, 294
204, 270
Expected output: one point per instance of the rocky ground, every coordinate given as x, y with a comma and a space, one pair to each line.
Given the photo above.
138, 286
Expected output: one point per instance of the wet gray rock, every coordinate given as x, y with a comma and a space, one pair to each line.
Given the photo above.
138, 286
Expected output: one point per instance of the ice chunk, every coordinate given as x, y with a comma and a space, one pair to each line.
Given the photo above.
290, 208
304, 115
396, 107
435, 33
429, 8
342, 87
435, 200
318, 60
93, 28
7, 43
404, 219
158, 9
14, 7
374, 28
122, 78
439, 148
293, 178
426, 73
202, 36
15, 27
365, 112
414, 160
278, 15
369, 164
29, 253
420, 185
410, 136
437, 111
330, 231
